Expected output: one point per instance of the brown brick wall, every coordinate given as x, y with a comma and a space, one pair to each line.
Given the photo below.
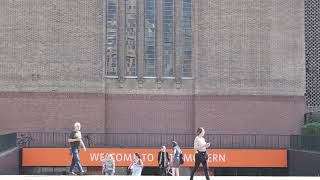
151, 113
219, 114
51, 45
250, 114
251, 47
242, 48
51, 111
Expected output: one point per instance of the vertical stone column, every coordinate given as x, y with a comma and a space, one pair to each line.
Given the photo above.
178, 40
104, 58
195, 38
159, 40
140, 41
121, 39
195, 54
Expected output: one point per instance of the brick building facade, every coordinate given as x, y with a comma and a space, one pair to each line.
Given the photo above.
312, 35
233, 66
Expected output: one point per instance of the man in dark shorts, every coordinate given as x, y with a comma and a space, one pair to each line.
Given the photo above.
76, 142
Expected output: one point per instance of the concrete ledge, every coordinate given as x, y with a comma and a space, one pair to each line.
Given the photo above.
303, 163
9, 162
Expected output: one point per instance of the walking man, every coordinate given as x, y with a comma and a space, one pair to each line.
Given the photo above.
76, 142
163, 161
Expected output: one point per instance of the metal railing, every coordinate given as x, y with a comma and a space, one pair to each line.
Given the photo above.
143, 140
8, 141
309, 143
151, 140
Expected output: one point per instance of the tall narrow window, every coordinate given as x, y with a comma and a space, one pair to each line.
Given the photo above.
150, 38
187, 38
112, 26
168, 31
131, 29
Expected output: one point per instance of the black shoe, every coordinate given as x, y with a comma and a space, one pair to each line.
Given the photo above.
191, 178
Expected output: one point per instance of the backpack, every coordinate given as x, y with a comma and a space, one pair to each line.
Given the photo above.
181, 158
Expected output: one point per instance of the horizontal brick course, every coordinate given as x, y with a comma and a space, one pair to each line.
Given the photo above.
124, 113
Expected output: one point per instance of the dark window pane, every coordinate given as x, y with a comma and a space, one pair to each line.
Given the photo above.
168, 59
112, 27
149, 39
187, 38
131, 20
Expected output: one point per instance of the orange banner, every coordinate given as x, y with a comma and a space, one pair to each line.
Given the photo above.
123, 157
